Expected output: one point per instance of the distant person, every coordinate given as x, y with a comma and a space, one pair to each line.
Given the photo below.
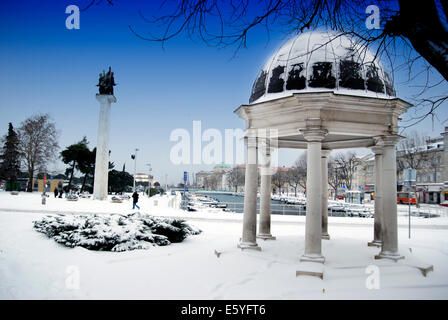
56, 191
135, 200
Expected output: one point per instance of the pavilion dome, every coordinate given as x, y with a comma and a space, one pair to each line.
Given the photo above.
322, 61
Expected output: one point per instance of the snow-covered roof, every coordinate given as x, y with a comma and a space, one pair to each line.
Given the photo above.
322, 61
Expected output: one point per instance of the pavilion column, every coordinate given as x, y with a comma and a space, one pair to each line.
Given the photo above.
389, 227
264, 231
249, 238
378, 210
313, 225
324, 157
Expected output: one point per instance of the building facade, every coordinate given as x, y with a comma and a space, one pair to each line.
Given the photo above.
430, 161
216, 179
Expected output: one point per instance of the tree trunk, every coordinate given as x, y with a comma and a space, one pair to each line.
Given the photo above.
84, 182
71, 176
30, 178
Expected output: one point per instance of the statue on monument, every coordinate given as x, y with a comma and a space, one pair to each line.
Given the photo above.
106, 82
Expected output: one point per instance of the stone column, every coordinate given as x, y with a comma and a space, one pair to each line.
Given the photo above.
249, 238
313, 225
378, 213
102, 147
264, 231
389, 228
324, 156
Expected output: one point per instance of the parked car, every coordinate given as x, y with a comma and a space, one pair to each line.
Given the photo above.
444, 203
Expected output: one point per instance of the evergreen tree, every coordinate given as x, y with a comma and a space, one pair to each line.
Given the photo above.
10, 165
86, 164
119, 180
74, 155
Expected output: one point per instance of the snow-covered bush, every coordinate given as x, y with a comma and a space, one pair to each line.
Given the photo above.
114, 232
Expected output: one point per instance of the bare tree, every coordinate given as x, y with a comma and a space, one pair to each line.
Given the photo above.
415, 34
432, 156
409, 151
211, 182
236, 178
411, 154
417, 151
279, 179
38, 143
334, 176
296, 176
346, 164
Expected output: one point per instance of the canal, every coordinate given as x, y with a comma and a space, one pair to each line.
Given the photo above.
236, 203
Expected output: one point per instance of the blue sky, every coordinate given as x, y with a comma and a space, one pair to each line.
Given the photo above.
49, 69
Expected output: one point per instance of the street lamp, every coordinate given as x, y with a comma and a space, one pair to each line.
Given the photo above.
149, 179
134, 157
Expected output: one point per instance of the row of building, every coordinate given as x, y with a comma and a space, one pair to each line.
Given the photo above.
430, 161
432, 173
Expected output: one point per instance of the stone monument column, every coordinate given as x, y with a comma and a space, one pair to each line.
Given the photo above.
324, 155
378, 210
102, 147
264, 231
313, 224
249, 237
389, 227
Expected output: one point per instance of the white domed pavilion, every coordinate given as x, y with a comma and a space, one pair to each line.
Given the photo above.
321, 91
322, 62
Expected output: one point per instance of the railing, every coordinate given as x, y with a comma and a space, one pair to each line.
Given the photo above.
424, 210
276, 208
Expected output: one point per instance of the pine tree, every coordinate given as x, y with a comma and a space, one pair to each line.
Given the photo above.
73, 155
86, 164
10, 165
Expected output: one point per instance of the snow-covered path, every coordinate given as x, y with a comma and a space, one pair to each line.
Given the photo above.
35, 267
159, 206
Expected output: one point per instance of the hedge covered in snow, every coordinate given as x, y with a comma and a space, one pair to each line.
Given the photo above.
114, 232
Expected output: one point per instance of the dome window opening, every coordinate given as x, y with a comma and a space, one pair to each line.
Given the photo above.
276, 82
259, 87
296, 79
350, 75
322, 76
388, 84
374, 82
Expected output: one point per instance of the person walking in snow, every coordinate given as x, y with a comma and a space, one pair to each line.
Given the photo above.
135, 200
55, 192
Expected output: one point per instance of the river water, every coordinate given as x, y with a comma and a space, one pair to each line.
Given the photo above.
236, 203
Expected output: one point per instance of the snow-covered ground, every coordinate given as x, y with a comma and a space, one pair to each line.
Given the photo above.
33, 266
